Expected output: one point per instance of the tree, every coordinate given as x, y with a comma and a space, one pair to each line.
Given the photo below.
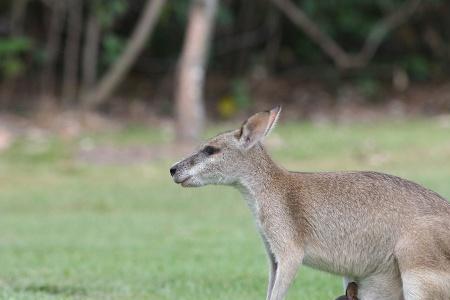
142, 32
90, 51
191, 70
19, 8
52, 47
341, 58
72, 51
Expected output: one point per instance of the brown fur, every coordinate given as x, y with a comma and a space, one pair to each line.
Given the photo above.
351, 292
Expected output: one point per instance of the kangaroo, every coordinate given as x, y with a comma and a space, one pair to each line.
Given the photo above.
389, 235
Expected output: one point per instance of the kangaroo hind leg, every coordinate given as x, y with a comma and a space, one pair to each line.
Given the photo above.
424, 260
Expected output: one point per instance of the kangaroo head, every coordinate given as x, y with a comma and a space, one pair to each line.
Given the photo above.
225, 158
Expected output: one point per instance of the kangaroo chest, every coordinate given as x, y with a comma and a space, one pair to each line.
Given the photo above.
273, 224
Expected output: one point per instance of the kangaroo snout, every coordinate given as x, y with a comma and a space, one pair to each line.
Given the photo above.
180, 174
173, 170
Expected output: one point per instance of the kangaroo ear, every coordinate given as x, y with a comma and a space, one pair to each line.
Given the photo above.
258, 126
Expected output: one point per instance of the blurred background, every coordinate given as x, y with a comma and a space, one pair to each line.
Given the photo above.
98, 98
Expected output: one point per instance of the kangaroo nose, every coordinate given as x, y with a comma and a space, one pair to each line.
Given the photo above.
172, 171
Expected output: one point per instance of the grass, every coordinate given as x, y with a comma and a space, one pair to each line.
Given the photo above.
76, 231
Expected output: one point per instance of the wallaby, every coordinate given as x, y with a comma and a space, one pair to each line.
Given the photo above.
388, 234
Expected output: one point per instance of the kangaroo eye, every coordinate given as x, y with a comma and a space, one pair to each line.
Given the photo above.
209, 150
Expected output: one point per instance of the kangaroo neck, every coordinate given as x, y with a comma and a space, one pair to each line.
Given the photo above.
261, 174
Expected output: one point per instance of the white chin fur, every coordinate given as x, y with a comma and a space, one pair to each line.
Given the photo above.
192, 182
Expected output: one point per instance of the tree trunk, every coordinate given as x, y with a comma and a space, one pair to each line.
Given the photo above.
72, 52
16, 20
90, 52
52, 47
274, 36
18, 12
191, 72
142, 32
245, 24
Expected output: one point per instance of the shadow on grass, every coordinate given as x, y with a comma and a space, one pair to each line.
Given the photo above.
54, 290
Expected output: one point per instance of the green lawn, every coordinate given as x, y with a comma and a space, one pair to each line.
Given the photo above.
77, 231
